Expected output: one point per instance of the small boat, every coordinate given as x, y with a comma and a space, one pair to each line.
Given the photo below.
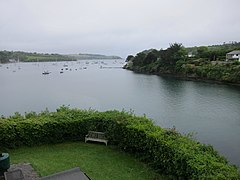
61, 72
45, 72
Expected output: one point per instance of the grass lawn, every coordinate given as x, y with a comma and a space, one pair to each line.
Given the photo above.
100, 162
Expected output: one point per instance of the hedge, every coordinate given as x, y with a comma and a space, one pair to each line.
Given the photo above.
167, 151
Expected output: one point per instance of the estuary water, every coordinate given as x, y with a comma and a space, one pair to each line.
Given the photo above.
210, 111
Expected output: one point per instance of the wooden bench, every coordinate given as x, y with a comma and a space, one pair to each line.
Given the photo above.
96, 136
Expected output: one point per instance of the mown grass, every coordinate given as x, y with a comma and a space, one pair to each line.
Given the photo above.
98, 161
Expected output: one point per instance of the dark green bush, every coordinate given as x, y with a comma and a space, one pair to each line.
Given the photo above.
165, 150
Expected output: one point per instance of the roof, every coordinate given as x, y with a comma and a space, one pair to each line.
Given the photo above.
71, 174
234, 52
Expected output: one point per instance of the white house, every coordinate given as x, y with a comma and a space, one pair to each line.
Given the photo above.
190, 54
234, 55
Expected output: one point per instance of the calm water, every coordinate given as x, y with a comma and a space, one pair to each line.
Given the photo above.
211, 111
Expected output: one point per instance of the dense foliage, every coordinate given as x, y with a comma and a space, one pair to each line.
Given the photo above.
201, 63
214, 52
5, 56
165, 150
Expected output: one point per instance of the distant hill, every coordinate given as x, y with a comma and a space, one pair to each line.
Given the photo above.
81, 56
15, 56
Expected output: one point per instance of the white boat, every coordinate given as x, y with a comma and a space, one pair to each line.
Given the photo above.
46, 72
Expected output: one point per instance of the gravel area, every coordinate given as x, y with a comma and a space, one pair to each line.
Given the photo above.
28, 171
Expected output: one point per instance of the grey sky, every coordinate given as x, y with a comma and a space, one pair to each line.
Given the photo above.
115, 27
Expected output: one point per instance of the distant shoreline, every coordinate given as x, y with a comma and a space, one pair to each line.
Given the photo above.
19, 56
57, 61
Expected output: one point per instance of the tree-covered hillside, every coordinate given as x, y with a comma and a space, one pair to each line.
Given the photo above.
7, 56
200, 63
81, 56
213, 52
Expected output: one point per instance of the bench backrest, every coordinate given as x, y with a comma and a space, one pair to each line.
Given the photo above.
95, 134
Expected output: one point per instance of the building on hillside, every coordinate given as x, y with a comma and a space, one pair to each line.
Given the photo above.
190, 54
233, 55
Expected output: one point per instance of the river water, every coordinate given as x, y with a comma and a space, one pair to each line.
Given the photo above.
210, 111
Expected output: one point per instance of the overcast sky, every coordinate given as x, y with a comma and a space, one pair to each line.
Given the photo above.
115, 27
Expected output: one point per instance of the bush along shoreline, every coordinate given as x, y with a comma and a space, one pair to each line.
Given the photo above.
167, 151
174, 61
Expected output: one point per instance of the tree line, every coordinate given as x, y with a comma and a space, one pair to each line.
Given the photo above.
5, 56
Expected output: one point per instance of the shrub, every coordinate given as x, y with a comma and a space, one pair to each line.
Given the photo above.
167, 151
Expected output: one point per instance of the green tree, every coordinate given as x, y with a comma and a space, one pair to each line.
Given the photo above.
150, 58
173, 54
202, 52
4, 56
130, 57
139, 58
